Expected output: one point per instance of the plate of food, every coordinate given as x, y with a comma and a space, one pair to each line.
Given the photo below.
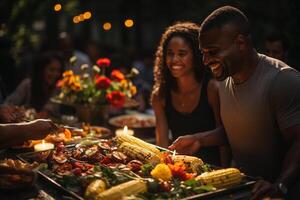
142, 124
15, 174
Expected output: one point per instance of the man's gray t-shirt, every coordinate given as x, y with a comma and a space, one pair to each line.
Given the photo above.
255, 112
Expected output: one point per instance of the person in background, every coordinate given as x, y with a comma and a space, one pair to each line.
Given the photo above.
16, 133
185, 98
259, 105
36, 91
67, 48
276, 46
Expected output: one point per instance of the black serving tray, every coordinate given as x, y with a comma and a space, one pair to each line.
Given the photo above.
246, 183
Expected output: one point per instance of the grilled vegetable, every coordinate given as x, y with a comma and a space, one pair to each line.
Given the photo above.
221, 178
94, 188
192, 163
139, 153
136, 141
133, 187
161, 171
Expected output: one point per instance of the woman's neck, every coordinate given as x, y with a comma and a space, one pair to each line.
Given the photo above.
187, 84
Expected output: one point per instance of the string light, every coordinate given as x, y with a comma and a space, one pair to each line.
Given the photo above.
87, 15
106, 26
129, 23
57, 7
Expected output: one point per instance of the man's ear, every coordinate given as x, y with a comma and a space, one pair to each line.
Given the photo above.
241, 41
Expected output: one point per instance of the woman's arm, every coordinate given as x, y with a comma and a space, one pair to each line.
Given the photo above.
162, 129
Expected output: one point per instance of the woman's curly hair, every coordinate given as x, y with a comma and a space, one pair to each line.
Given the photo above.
163, 80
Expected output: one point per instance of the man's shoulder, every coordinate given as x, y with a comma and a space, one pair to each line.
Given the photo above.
273, 64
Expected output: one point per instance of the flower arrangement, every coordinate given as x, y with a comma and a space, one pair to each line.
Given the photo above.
96, 87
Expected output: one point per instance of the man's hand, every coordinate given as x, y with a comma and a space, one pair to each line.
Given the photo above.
263, 189
40, 128
188, 144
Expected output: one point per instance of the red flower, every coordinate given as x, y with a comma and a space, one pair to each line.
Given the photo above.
116, 98
59, 83
102, 83
103, 62
117, 75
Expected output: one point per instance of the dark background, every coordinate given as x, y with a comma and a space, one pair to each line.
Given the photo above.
27, 26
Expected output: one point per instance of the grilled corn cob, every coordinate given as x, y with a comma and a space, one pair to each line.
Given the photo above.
221, 178
136, 141
139, 153
133, 187
193, 163
94, 188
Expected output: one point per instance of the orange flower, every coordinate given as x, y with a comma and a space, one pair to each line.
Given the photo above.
117, 75
68, 73
103, 83
116, 98
103, 62
178, 171
133, 90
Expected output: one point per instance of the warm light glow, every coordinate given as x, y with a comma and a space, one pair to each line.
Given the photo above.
87, 15
107, 26
125, 130
57, 7
81, 17
43, 146
129, 23
76, 19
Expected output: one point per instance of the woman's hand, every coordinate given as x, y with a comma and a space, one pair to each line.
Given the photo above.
188, 145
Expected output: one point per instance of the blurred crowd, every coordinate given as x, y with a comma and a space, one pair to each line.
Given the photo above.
31, 81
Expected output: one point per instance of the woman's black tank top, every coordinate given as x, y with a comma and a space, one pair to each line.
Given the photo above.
199, 120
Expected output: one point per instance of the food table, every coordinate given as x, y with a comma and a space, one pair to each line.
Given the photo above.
45, 189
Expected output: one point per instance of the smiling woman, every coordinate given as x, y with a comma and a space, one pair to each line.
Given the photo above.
184, 97
35, 91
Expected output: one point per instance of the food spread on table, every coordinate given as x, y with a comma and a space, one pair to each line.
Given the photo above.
128, 166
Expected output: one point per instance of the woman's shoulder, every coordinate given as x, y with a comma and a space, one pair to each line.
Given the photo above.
157, 99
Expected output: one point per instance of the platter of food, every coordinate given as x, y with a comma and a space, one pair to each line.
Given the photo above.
68, 135
15, 174
127, 166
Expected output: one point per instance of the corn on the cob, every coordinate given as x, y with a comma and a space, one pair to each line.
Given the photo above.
221, 178
94, 188
133, 187
192, 163
136, 141
139, 153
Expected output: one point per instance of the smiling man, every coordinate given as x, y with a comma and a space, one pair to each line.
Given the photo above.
259, 104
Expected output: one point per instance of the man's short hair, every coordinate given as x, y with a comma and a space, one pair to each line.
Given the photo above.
226, 15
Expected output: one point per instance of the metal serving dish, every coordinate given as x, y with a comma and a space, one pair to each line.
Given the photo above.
244, 187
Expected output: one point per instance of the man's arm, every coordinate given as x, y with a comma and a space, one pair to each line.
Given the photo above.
291, 164
16, 133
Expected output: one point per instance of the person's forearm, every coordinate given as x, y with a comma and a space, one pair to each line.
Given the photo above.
12, 134
291, 165
214, 137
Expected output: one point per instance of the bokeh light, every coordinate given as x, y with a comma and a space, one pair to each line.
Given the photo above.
129, 23
57, 7
87, 15
107, 26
